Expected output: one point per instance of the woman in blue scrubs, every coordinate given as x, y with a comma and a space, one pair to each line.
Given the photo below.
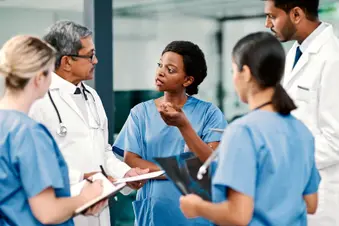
266, 172
34, 183
146, 135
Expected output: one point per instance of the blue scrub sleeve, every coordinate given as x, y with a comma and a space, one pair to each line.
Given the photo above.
313, 182
37, 161
236, 167
129, 137
214, 119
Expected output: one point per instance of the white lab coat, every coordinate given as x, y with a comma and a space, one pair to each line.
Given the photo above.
314, 86
83, 148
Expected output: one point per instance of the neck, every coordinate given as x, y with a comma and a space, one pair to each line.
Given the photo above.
19, 101
178, 99
259, 98
310, 26
68, 76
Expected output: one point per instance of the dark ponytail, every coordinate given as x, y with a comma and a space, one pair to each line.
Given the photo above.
281, 101
265, 56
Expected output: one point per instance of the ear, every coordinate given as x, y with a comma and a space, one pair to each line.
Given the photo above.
38, 79
188, 81
66, 63
246, 73
296, 15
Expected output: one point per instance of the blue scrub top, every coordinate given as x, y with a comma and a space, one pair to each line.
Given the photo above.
270, 158
147, 135
30, 162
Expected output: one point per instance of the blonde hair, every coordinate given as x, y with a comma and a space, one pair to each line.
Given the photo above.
22, 57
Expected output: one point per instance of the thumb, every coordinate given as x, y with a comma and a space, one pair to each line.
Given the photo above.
145, 170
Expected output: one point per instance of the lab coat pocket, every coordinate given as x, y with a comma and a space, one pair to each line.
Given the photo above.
303, 93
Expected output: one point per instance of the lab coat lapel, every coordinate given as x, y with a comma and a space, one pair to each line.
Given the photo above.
292, 74
66, 97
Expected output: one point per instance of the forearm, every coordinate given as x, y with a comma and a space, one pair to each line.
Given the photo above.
219, 213
194, 142
143, 164
63, 208
57, 210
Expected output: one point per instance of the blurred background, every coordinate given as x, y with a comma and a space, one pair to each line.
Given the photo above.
130, 36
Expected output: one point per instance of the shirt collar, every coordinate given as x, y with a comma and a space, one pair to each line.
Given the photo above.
307, 42
63, 85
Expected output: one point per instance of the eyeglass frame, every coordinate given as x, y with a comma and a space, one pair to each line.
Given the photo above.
91, 57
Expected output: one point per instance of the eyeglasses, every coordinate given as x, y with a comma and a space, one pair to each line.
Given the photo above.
91, 57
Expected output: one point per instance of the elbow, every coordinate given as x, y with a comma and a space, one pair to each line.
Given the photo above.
312, 209
243, 220
46, 218
239, 219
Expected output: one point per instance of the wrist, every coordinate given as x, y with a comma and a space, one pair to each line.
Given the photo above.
185, 125
201, 208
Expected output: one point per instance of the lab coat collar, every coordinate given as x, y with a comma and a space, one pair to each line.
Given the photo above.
320, 39
313, 48
63, 85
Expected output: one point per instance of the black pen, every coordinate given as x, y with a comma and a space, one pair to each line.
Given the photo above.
89, 180
103, 171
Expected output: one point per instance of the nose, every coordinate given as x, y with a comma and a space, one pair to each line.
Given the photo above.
160, 72
95, 60
268, 22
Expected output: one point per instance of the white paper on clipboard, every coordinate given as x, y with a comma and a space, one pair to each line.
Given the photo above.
109, 190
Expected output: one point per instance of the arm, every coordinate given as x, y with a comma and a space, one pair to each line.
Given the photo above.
115, 167
49, 209
326, 131
201, 146
195, 143
310, 194
311, 203
135, 160
237, 210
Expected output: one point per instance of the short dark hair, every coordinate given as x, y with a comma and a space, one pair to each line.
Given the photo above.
265, 56
310, 7
194, 62
65, 37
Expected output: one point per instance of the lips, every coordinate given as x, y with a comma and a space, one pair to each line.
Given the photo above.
158, 82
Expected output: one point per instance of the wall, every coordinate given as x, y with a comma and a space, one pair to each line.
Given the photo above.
15, 21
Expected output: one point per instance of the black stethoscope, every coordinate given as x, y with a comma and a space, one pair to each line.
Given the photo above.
62, 130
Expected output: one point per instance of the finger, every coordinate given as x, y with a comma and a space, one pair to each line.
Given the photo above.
143, 171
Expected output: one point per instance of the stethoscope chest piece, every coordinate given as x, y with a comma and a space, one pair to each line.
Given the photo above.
62, 130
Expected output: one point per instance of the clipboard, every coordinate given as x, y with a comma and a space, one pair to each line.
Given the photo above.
109, 190
182, 170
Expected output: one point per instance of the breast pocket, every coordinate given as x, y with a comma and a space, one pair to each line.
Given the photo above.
304, 93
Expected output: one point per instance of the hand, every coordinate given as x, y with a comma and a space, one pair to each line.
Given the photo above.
135, 172
172, 115
91, 190
97, 208
88, 175
189, 205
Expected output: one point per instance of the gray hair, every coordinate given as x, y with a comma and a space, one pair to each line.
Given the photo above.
65, 37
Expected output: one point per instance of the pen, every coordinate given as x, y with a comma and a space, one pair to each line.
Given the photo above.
89, 180
103, 171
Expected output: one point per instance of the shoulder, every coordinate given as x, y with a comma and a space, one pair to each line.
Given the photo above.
22, 126
143, 107
205, 106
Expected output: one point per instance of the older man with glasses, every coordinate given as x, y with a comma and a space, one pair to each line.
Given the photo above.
75, 116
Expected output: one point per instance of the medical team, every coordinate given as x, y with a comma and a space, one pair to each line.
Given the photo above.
270, 160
